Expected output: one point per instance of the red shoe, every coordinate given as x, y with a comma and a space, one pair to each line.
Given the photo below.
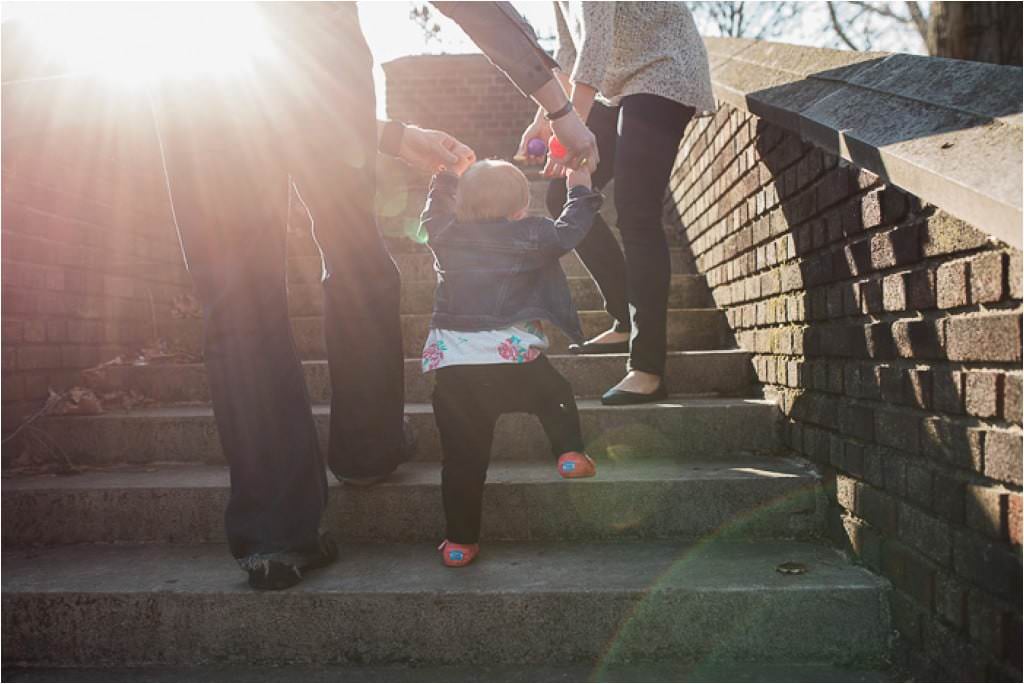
457, 555
573, 465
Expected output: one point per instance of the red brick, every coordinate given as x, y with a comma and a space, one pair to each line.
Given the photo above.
983, 390
1011, 398
943, 234
986, 278
951, 285
986, 510
984, 338
1003, 456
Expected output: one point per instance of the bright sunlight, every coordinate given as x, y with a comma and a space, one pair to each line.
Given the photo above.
131, 42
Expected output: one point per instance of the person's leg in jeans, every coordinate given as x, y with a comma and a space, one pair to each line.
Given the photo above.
650, 130
229, 191
335, 167
599, 250
465, 417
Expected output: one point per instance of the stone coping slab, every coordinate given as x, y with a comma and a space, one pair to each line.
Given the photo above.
948, 131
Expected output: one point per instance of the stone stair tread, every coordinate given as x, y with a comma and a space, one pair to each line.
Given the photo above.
745, 495
667, 671
190, 475
419, 408
713, 372
527, 567
521, 602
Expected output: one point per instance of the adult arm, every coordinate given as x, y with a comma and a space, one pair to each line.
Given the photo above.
423, 148
509, 42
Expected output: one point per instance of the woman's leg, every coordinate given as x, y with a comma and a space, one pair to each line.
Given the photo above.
599, 251
650, 130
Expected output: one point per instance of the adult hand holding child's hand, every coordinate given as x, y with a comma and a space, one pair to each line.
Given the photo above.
429, 150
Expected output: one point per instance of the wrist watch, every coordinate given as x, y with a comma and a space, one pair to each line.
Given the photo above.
391, 138
558, 114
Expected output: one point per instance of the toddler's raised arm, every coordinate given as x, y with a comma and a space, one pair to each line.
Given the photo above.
439, 212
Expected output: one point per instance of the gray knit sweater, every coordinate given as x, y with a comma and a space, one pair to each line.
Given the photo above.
625, 48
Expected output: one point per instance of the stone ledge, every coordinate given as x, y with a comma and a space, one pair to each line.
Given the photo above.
945, 130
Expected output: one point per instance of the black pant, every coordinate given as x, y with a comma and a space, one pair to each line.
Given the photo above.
467, 403
638, 142
231, 146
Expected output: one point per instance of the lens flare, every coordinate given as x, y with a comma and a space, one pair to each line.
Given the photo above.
132, 42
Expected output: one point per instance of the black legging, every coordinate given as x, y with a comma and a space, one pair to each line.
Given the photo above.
638, 142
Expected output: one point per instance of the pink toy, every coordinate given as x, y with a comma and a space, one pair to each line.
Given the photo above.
536, 148
558, 151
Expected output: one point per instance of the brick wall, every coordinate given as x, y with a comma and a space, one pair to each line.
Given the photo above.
90, 258
464, 95
890, 333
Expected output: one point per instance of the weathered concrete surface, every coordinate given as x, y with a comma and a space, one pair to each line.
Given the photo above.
688, 329
945, 130
173, 503
638, 672
726, 372
418, 266
702, 429
687, 292
384, 603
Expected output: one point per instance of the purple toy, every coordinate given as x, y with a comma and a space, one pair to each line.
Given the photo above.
536, 148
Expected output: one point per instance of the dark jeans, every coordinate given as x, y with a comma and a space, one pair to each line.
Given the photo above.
467, 403
638, 142
230, 147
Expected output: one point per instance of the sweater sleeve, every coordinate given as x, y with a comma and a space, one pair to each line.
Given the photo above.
595, 52
565, 53
506, 38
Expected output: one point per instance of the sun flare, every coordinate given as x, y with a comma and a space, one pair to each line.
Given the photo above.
135, 41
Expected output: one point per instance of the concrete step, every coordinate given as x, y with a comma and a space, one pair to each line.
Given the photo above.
696, 373
655, 499
688, 329
663, 671
419, 266
683, 429
688, 292
520, 603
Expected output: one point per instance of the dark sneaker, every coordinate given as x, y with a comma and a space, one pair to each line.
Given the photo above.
275, 571
408, 454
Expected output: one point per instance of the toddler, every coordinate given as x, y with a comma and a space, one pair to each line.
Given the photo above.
498, 279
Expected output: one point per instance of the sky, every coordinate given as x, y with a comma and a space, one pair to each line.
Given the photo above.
391, 33
101, 34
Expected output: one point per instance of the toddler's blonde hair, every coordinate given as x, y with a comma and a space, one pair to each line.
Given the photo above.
491, 189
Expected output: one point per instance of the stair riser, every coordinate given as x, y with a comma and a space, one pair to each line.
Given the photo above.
462, 626
687, 292
688, 329
713, 374
418, 267
538, 511
691, 432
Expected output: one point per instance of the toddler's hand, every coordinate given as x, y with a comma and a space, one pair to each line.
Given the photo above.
574, 177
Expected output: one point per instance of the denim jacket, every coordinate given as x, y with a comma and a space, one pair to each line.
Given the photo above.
495, 273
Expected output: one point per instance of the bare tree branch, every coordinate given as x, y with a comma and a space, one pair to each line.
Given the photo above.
838, 28
881, 10
917, 16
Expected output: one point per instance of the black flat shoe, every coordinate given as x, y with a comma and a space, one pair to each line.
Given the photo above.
615, 397
599, 348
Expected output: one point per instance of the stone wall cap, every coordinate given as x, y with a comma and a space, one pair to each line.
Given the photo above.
946, 130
